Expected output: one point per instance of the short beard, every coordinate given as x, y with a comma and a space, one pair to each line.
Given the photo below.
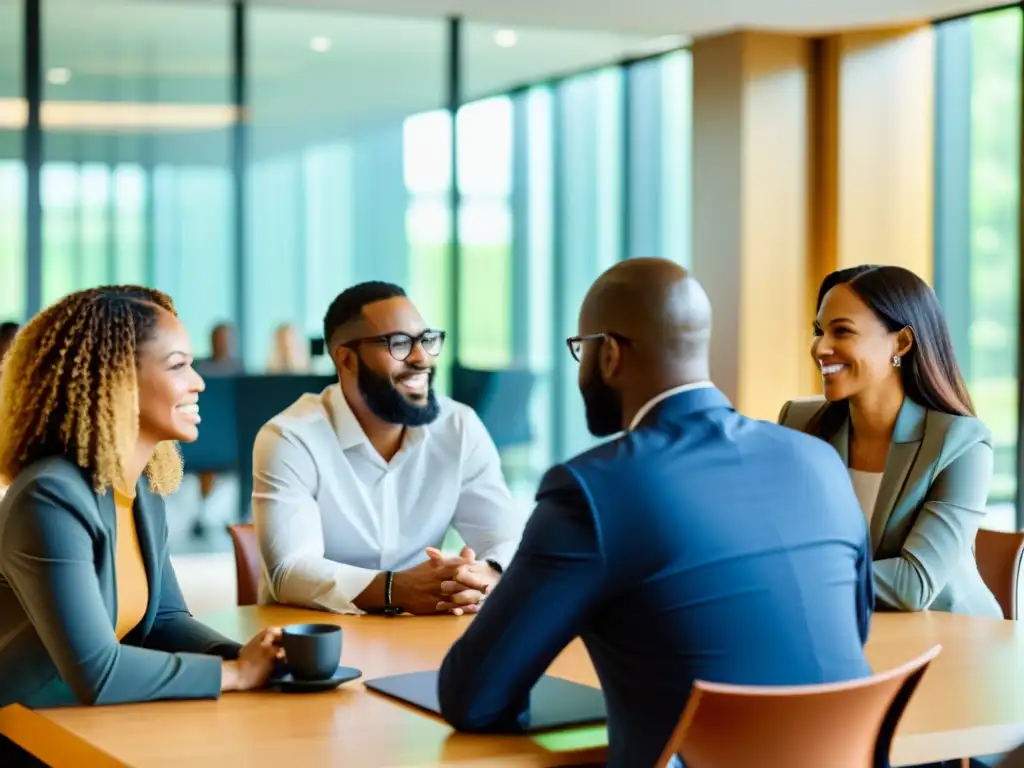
603, 406
388, 404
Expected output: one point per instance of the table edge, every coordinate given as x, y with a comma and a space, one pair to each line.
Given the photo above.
51, 742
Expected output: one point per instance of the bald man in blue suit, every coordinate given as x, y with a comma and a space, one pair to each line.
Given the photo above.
699, 544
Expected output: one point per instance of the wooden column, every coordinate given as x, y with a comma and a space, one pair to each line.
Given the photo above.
751, 231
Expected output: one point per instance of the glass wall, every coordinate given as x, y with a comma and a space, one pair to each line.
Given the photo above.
136, 181
345, 185
567, 162
12, 167
978, 205
485, 233
660, 120
588, 212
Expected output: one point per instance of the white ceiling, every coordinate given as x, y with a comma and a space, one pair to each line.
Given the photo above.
690, 17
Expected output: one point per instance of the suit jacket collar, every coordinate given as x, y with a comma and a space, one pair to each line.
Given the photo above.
906, 442
685, 403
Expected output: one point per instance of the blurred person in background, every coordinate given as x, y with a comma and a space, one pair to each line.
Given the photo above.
290, 351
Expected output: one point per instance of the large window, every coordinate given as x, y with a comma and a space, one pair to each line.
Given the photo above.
588, 214
659, 120
136, 181
12, 167
977, 212
334, 161
485, 233
427, 153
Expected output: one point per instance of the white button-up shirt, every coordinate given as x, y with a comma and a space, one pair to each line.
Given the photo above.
330, 512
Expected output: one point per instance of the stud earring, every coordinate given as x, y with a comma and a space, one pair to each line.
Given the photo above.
896, 362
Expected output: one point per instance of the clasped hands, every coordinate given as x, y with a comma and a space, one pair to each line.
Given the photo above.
464, 581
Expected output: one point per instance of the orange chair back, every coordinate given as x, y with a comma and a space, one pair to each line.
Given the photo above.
999, 558
841, 725
247, 562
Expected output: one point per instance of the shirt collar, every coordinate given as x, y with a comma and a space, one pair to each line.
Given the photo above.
350, 432
649, 405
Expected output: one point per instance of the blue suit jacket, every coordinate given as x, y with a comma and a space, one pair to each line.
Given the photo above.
701, 545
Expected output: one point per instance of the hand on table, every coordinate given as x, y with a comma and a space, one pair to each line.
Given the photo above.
417, 590
255, 663
473, 580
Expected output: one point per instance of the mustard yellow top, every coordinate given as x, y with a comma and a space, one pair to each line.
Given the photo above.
129, 570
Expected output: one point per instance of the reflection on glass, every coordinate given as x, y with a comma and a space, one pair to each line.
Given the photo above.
485, 233
338, 169
12, 168
994, 250
136, 183
591, 167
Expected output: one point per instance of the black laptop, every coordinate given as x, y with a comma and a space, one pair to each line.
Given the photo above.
554, 703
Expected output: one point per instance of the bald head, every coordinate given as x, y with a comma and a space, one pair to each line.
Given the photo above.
658, 306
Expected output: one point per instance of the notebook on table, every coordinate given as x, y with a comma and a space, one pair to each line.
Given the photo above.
554, 703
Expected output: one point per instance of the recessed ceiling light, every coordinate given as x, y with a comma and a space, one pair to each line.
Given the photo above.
506, 38
58, 76
320, 44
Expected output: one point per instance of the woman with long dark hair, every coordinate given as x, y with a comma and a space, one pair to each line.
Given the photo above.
897, 410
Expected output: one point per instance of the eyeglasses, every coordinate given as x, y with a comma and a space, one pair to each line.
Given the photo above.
400, 345
575, 343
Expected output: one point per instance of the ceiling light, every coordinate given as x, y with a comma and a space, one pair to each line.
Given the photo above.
320, 44
58, 76
120, 116
506, 38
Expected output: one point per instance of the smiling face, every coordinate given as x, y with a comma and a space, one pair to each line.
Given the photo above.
168, 386
852, 346
395, 391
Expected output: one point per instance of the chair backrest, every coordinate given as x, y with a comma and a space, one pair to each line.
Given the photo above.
841, 725
247, 562
500, 398
999, 558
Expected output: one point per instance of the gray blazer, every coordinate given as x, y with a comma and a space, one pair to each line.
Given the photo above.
58, 601
930, 503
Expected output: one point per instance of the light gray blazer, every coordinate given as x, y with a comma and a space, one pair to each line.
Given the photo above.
930, 504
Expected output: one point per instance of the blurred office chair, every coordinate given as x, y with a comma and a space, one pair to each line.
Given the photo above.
258, 400
999, 556
839, 725
501, 399
247, 562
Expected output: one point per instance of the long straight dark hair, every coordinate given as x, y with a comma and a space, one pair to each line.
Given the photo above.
930, 373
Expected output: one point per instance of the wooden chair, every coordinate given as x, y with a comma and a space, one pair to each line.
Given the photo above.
841, 725
247, 562
999, 557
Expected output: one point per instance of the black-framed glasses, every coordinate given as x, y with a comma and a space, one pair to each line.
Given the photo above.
401, 345
575, 343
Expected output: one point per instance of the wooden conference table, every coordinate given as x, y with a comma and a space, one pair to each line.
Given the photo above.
968, 703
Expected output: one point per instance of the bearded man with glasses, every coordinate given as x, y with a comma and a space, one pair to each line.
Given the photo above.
354, 488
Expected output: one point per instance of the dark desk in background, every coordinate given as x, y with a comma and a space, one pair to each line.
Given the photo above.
234, 409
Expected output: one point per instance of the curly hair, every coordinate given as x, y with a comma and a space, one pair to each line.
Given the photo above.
68, 387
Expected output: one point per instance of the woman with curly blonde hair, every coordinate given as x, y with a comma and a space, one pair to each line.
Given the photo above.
93, 393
